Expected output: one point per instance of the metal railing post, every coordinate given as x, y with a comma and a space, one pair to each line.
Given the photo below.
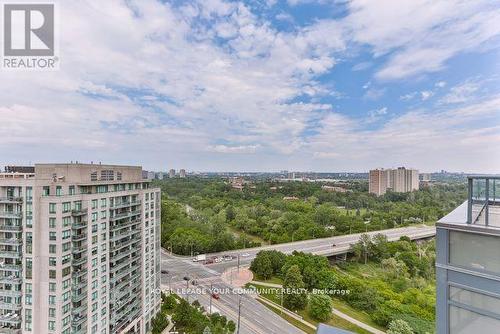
469, 203
487, 199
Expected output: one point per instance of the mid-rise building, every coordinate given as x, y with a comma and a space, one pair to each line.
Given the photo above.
400, 180
171, 173
79, 250
182, 173
468, 264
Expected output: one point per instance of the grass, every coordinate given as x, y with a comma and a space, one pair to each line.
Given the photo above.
272, 280
353, 313
336, 321
254, 238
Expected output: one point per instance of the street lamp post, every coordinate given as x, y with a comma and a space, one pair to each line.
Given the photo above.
239, 314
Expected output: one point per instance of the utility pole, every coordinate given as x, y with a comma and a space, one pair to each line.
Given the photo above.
239, 314
238, 262
210, 312
282, 292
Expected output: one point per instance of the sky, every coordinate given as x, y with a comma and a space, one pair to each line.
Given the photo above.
264, 85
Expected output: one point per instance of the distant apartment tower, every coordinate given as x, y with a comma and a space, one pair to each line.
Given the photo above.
79, 250
378, 181
160, 176
467, 262
399, 180
182, 173
171, 173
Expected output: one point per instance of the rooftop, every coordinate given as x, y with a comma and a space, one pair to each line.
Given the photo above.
481, 210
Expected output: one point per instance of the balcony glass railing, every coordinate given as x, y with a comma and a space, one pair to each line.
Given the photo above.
484, 200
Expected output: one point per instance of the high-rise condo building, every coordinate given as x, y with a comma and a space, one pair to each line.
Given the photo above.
398, 180
182, 173
378, 181
171, 173
79, 250
467, 263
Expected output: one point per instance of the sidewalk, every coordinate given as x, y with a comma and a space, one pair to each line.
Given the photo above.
237, 278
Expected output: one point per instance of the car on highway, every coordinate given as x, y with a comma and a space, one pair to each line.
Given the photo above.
245, 255
215, 295
218, 259
208, 261
165, 272
334, 245
228, 257
187, 278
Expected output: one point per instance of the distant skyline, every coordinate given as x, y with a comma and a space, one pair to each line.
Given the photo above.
264, 85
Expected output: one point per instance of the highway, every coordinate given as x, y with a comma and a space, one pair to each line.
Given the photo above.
255, 317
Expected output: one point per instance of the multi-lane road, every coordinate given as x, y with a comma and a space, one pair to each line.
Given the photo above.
255, 317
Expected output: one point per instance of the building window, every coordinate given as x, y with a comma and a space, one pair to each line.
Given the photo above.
52, 249
463, 321
52, 236
52, 287
66, 207
59, 191
52, 222
52, 207
94, 204
474, 251
52, 312
52, 274
46, 191
52, 261
72, 190
52, 300
52, 325
103, 202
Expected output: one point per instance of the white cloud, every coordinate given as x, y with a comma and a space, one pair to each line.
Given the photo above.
420, 36
243, 149
426, 94
461, 93
440, 84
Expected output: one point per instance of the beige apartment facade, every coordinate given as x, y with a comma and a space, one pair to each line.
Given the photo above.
399, 180
79, 250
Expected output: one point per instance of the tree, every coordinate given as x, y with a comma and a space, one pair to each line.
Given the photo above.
262, 266
320, 307
294, 297
399, 327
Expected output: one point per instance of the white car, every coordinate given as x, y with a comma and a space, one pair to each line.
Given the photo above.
245, 255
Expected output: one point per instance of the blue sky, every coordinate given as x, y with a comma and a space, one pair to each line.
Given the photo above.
264, 86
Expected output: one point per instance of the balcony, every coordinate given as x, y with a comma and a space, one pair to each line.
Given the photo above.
10, 280
125, 204
123, 215
11, 267
11, 242
79, 261
10, 306
10, 293
11, 214
79, 237
80, 273
483, 206
79, 225
10, 330
10, 200
78, 212
79, 297
11, 228
77, 321
11, 318
79, 249
11, 254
